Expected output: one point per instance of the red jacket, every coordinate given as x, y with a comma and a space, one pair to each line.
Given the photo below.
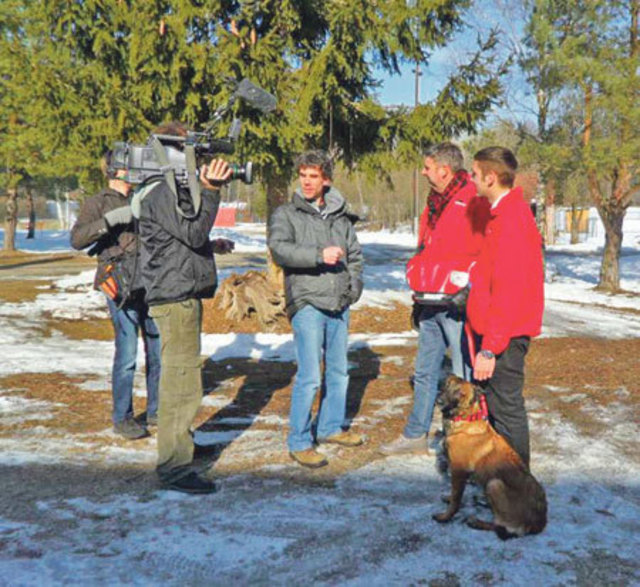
453, 245
507, 284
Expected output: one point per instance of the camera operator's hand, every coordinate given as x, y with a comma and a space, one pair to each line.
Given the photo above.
121, 215
216, 174
221, 246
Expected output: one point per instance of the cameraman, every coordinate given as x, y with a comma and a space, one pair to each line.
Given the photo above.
105, 221
178, 270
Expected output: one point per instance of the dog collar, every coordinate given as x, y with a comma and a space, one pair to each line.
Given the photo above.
482, 413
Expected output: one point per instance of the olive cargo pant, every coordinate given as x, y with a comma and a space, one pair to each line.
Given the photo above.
180, 392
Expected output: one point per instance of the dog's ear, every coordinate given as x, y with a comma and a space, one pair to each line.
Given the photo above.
467, 394
452, 383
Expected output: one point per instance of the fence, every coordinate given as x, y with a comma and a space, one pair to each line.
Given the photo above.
590, 225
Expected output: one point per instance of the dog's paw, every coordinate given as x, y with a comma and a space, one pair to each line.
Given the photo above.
478, 524
471, 521
442, 518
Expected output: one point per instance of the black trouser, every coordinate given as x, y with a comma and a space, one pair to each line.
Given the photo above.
507, 412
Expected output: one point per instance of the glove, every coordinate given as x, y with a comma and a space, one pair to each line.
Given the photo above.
459, 300
221, 246
121, 215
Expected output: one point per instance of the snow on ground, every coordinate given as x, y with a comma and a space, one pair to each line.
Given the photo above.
373, 527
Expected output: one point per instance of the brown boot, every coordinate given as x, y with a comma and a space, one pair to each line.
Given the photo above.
309, 458
346, 438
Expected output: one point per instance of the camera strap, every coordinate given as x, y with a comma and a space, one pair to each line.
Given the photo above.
170, 176
192, 178
165, 167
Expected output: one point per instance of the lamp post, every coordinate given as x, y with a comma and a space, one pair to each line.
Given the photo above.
416, 171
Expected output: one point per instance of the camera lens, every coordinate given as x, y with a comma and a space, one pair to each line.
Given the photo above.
242, 171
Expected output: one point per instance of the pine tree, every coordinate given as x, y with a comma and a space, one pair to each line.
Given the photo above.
80, 75
593, 51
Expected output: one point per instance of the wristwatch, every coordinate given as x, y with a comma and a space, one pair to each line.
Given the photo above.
487, 354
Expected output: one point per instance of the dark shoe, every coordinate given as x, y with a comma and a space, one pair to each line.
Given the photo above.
152, 420
205, 450
130, 429
309, 458
192, 483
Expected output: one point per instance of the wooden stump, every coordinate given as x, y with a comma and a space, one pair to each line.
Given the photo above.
241, 296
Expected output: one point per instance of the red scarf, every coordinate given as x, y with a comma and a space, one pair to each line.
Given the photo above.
438, 202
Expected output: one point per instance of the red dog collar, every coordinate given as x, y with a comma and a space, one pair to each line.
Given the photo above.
482, 413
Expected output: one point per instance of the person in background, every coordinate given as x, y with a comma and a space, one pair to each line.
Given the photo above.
105, 222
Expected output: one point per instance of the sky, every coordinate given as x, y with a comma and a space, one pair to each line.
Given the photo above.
370, 527
481, 18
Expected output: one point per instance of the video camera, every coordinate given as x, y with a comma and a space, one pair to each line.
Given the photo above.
175, 156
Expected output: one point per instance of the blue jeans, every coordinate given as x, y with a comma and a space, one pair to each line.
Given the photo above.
127, 321
316, 332
438, 330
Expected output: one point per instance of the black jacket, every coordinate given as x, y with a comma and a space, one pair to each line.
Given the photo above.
298, 233
91, 229
176, 253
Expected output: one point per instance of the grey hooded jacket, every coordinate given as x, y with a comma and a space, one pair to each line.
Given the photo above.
298, 233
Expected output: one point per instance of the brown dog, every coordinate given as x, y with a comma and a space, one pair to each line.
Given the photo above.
518, 501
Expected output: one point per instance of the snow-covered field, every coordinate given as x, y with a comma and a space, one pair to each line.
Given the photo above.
373, 525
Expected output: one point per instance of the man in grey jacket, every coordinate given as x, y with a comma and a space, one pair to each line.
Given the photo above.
312, 238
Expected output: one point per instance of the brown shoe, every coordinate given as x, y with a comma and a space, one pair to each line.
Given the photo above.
346, 438
309, 458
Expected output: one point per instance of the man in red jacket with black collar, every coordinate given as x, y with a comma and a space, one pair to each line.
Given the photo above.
506, 300
451, 232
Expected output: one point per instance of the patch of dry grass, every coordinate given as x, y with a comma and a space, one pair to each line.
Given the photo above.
15, 292
93, 329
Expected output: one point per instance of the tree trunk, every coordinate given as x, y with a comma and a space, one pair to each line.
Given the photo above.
31, 214
277, 190
612, 219
360, 196
575, 225
277, 194
550, 224
11, 220
550, 212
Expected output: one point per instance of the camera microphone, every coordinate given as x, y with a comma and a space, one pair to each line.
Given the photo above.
221, 146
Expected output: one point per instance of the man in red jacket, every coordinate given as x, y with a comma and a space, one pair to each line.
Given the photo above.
451, 232
506, 300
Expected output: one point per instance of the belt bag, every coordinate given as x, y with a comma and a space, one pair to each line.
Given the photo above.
420, 277
115, 279
113, 282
